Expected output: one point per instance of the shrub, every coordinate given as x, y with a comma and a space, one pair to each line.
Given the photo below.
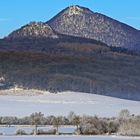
49, 132
113, 126
21, 132
130, 127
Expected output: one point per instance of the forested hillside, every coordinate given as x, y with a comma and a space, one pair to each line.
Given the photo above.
85, 67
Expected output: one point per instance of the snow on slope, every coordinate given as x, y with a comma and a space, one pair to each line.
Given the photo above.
63, 103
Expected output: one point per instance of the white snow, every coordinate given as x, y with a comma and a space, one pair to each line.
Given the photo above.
74, 10
63, 103
66, 137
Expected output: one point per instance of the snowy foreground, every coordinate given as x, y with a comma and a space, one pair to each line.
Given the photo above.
63, 103
66, 138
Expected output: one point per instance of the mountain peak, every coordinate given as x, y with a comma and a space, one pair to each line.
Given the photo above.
34, 30
75, 10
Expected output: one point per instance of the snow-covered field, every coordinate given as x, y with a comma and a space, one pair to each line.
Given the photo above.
63, 103
65, 138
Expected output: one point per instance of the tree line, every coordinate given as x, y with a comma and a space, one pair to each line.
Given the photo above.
125, 124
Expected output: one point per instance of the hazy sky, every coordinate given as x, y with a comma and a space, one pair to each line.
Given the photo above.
15, 13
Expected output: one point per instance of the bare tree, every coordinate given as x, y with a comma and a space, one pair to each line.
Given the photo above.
124, 114
36, 119
57, 121
76, 121
71, 116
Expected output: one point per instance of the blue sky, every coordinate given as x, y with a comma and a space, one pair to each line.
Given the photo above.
15, 13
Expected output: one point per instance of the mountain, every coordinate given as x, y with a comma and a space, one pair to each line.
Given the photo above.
78, 50
33, 30
82, 22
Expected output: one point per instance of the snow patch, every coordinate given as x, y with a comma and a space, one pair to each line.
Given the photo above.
74, 10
